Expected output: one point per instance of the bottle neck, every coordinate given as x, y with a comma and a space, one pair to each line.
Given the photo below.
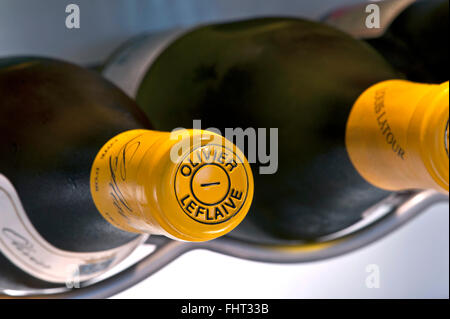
428, 134
189, 185
397, 135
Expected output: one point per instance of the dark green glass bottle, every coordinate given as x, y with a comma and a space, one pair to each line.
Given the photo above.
83, 182
412, 35
54, 118
299, 76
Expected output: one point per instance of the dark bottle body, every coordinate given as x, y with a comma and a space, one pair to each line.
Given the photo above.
411, 35
416, 42
55, 117
298, 76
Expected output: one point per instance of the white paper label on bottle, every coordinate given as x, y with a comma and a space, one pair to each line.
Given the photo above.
357, 20
28, 250
127, 68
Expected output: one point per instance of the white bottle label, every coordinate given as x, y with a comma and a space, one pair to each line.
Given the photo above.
24, 247
127, 67
367, 20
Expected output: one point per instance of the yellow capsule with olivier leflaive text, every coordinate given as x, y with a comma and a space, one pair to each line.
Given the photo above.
397, 135
190, 185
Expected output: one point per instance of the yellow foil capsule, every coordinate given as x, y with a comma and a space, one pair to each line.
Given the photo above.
397, 135
188, 185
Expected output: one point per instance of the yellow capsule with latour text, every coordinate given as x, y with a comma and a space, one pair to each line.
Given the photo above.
397, 135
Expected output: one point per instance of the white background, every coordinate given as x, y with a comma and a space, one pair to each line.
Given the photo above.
413, 261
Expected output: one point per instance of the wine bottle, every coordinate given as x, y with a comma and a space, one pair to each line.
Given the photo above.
410, 35
301, 77
83, 174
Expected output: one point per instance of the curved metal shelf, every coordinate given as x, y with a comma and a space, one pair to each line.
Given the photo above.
378, 221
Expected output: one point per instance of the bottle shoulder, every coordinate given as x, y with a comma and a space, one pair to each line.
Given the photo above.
55, 116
